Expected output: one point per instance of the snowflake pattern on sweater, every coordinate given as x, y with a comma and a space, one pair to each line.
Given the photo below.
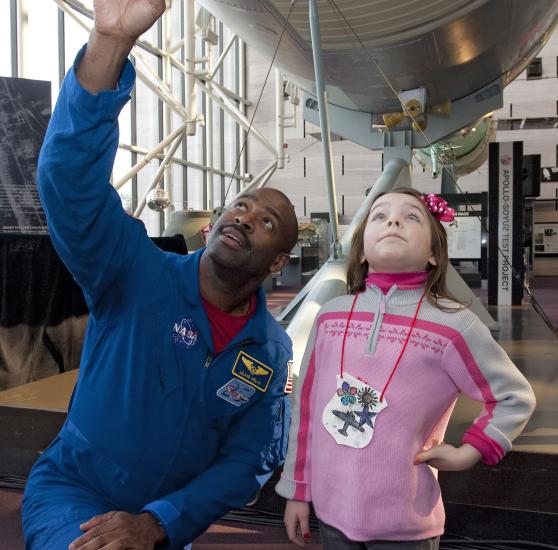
393, 335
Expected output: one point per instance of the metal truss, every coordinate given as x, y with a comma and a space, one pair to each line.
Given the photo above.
199, 73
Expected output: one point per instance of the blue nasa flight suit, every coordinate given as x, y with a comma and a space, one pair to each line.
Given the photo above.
157, 421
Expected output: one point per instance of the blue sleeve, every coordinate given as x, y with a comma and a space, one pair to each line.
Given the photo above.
97, 240
255, 446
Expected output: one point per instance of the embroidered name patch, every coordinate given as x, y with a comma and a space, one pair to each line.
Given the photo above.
236, 391
252, 371
185, 334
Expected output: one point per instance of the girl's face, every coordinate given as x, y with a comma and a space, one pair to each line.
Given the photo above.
397, 236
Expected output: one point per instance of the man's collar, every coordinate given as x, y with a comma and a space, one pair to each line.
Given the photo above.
189, 283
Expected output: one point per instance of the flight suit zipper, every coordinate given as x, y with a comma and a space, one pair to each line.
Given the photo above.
209, 359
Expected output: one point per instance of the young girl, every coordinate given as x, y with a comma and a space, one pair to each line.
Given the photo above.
381, 373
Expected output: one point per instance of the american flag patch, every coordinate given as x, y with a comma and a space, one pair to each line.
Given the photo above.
289, 383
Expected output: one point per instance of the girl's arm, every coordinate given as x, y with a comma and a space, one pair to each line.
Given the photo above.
447, 457
481, 369
295, 479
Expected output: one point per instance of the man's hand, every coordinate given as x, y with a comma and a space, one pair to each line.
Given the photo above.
118, 24
297, 516
120, 531
126, 20
447, 457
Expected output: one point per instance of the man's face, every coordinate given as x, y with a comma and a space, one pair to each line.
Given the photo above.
249, 234
398, 237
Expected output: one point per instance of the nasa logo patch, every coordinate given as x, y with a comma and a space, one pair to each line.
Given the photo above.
185, 334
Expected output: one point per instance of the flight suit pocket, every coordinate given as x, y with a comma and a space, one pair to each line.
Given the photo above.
166, 360
281, 431
167, 371
89, 461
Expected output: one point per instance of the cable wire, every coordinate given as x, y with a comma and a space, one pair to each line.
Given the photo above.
293, 2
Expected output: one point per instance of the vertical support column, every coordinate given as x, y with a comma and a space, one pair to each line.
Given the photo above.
221, 63
242, 169
189, 55
448, 182
23, 41
398, 145
14, 38
167, 121
61, 47
279, 122
324, 124
134, 141
203, 194
237, 129
160, 103
505, 212
186, 102
209, 132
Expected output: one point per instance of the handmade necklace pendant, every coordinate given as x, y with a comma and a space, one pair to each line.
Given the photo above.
351, 413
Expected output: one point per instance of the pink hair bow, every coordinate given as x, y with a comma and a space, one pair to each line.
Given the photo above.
439, 207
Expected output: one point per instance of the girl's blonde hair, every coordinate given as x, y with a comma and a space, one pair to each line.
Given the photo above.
435, 288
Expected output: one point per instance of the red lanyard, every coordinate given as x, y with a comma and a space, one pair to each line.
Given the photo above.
413, 322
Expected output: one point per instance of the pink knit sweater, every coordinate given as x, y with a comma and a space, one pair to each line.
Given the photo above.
376, 492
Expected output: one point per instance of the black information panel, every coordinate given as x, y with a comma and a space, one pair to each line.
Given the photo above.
24, 114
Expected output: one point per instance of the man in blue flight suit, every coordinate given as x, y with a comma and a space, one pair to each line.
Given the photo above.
180, 412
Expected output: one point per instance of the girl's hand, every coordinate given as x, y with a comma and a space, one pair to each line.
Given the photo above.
297, 516
447, 457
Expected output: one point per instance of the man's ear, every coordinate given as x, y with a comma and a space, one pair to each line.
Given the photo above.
280, 262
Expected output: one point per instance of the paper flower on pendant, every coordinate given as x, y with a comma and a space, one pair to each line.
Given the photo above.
347, 394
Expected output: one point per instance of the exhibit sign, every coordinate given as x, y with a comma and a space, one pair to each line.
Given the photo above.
549, 173
465, 236
546, 238
25, 108
505, 213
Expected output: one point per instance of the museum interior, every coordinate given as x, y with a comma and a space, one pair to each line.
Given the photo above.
332, 102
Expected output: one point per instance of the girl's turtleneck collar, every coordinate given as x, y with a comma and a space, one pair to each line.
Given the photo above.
404, 281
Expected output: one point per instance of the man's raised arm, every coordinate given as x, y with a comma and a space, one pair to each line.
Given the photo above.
98, 242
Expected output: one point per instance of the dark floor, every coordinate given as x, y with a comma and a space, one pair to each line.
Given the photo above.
530, 344
225, 534
245, 536
10, 521
545, 290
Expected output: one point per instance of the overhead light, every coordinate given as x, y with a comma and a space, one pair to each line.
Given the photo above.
158, 199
